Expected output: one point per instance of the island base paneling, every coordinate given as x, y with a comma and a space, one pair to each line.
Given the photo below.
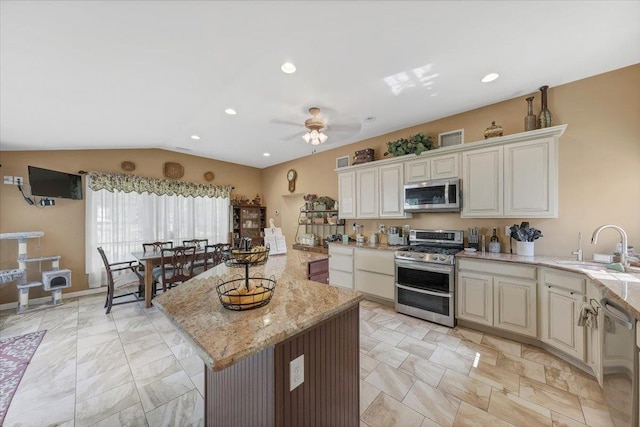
255, 391
330, 394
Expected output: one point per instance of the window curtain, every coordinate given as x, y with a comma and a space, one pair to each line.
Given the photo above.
124, 211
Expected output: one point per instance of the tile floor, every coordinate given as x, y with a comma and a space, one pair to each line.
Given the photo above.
132, 368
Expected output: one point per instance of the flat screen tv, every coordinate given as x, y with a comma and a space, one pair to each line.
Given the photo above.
48, 183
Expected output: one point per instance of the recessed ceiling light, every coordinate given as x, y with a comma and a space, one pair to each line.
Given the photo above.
266, 154
288, 68
490, 77
195, 137
231, 111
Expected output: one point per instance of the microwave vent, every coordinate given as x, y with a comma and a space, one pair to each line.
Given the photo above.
454, 137
342, 162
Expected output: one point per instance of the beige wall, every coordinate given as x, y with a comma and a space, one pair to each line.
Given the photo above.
599, 169
63, 224
599, 176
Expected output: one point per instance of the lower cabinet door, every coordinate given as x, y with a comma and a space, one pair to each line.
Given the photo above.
341, 278
514, 304
380, 285
559, 321
475, 297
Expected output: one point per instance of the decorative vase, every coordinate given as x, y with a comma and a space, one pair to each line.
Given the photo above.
545, 119
530, 122
493, 131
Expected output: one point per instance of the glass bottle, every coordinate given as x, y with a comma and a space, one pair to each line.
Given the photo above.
530, 122
545, 119
494, 242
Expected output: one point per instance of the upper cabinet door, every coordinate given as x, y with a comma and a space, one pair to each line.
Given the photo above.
367, 193
392, 191
530, 184
445, 166
347, 195
417, 170
482, 172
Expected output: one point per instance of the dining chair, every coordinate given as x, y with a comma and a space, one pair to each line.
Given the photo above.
213, 255
176, 266
120, 276
155, 247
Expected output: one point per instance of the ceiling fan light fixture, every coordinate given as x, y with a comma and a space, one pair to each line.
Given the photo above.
314, 137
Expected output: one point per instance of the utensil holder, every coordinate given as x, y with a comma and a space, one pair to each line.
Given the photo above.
525, 248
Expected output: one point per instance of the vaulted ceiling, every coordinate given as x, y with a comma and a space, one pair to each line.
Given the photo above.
137, 74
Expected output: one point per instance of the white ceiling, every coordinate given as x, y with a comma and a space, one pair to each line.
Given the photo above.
149, 74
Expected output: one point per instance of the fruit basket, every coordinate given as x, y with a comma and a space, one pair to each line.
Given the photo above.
246, 293
257, 255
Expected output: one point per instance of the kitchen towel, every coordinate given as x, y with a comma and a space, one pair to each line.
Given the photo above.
588, 316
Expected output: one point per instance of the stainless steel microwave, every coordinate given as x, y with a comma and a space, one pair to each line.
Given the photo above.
441, 195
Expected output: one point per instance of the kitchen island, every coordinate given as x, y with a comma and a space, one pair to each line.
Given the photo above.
247, 354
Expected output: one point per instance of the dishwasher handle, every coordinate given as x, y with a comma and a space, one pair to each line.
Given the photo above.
618, 313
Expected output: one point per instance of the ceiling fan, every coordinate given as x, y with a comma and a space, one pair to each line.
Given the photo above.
319, 128
315, 126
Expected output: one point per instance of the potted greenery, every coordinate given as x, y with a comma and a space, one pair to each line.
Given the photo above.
323, 203
415, 144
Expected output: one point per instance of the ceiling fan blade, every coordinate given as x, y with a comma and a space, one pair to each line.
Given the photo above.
345, 127
292, 137
285, 122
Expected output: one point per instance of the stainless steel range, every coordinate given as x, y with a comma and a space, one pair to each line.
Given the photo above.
425, 275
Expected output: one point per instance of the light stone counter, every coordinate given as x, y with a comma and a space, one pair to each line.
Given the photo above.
621, 287
381, 246
224, 337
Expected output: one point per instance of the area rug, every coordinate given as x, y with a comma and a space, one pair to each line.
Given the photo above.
15, 355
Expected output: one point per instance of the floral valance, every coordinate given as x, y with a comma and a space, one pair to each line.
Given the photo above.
139, 184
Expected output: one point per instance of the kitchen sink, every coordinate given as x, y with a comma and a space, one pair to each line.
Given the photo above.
583, 265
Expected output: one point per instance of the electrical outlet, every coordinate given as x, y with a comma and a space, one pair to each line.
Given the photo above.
18, 180
507, 230
8, 179
296, 372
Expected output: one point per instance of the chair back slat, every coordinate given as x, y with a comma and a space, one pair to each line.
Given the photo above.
177, 264
198, 243
107, 267
156, 246
215, 254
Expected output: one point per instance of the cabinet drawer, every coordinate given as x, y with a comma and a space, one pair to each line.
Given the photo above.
340, 278
376, 261
502, 268
340, 249
318, 266
568, 281
341, 262
380, 285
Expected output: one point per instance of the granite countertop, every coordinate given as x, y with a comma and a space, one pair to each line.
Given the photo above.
623, 288
224, 337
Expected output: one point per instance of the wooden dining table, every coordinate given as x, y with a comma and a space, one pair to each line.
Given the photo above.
150, 259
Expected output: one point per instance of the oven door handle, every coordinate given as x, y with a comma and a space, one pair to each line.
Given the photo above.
416, 265
421, 291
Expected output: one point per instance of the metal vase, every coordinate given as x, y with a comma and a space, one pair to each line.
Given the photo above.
530, 122
545, 119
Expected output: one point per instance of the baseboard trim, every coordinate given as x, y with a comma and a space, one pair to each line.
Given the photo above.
42, 300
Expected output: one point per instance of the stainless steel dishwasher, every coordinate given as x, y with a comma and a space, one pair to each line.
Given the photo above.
619, 364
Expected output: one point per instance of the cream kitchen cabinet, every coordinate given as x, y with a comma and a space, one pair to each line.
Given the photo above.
367, 193
347, 195
392, 191
531, 179
375, 272
341, 266
372, 192
502, 295
518, 180
562, 295
432, 167
482, 183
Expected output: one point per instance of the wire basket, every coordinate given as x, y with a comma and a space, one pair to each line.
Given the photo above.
256, 256
246, 293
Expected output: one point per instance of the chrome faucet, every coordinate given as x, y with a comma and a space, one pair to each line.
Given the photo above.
578, 253
623, 234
